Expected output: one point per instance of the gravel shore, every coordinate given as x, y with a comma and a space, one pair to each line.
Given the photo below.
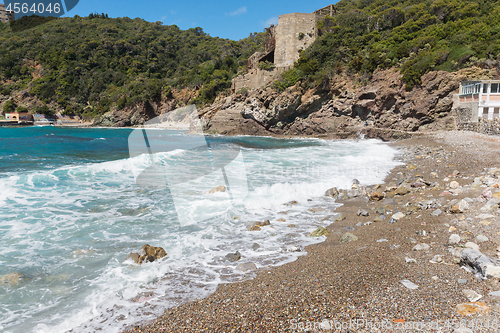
367, 283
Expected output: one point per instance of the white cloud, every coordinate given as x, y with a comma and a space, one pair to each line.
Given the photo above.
238, 11
269, 21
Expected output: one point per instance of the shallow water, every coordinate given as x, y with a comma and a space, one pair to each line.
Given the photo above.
71, 210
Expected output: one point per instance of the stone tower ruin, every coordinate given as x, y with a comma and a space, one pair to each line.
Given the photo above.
294, 33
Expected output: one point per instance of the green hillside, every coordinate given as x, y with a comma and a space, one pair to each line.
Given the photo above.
415, 36
99, 62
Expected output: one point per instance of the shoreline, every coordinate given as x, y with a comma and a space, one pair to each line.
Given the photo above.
360, 280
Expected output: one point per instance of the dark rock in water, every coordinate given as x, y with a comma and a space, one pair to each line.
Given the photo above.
363, 212
254, 227
12, 279
291, 203
148, 254
220, 188
333, 192
355, 182
257, 225
255, 246
233, 256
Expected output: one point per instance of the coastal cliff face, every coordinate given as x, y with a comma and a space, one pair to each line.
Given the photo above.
343, 108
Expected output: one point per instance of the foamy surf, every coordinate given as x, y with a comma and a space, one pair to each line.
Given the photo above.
69, 229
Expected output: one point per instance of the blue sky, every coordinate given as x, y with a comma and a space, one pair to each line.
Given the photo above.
223, 18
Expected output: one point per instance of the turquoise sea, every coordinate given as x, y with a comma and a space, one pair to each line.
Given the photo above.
74, 204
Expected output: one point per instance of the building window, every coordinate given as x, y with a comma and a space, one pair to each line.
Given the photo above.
485, 113
494, 88
485, 88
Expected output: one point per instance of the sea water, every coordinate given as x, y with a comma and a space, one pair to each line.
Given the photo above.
72, 209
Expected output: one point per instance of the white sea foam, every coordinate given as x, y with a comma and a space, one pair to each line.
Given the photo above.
70, 230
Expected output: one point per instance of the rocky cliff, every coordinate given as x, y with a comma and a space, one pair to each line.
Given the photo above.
342, 107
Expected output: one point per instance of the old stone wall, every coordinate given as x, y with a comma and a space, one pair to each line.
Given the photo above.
255, 79
465, 122
294, 32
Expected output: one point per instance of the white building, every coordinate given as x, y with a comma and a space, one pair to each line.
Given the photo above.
482, 97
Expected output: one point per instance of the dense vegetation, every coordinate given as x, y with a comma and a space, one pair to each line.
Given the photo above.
415, 36
90, 64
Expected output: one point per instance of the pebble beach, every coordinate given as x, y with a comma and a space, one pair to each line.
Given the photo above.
417, 253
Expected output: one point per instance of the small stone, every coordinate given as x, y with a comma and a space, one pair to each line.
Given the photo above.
452, 228
435, 278
436, 260
402, 190
363, 212
382, 240
281, 220
408, 284
433, 175
454, 184
291, 226
220, 188
398, 216
254, 228
454, 239
392, 221
461, 207
348, 237
255, 246
248, 266
294, 249
481, 239
291, 203
421, 247
348, 228
376, 196
471, 295
233, 256
411, 167
468, 309
471, 245
462, 281
411, 240
410, 260
437, 212
321, 231
495, 293
367, 223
